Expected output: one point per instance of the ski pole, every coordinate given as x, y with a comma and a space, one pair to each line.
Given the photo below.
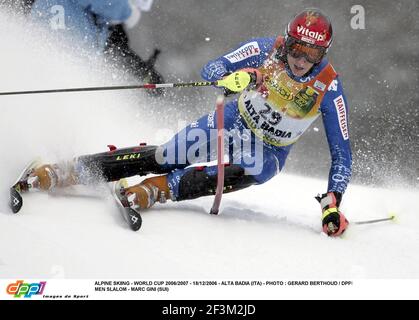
236, 82
392, 217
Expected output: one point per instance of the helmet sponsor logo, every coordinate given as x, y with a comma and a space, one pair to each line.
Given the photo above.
341, 111
308, 40
305, 32
246, 51
311, 18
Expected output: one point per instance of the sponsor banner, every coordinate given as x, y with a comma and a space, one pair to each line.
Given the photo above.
137, 289
343, 119
246, 51
333, 86
319, 85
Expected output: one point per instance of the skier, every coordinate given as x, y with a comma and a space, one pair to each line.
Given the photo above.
100, 25
292, 84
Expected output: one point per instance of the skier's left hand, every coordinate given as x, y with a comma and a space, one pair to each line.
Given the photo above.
333, 221
256, 79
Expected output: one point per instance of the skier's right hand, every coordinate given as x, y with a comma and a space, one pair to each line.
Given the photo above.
334, 222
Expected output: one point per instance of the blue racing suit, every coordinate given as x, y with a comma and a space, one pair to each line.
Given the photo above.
286, 119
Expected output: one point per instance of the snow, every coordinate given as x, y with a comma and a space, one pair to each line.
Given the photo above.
277, 237
271, 231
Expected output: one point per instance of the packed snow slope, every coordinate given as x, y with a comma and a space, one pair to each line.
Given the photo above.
270, 231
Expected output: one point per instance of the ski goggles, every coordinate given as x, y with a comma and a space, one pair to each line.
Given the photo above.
298, 49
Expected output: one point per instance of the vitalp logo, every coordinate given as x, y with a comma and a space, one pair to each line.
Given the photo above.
306, 32
27, 290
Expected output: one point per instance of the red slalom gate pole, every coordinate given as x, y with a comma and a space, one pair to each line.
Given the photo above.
220, 156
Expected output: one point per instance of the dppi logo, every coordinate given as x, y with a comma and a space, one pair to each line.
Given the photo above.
27, 290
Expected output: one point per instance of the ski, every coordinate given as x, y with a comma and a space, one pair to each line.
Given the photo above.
20, 186
131, 216
220, 156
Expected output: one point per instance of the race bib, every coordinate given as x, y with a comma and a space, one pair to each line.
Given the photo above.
269, 122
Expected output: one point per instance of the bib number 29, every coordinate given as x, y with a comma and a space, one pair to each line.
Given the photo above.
271, 116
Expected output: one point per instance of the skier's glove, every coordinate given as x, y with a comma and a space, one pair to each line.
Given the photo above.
333, 221
227, 92
256, 79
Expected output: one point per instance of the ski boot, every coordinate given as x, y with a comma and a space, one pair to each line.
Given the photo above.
132, 200
39, 177
144, 195
50, 176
